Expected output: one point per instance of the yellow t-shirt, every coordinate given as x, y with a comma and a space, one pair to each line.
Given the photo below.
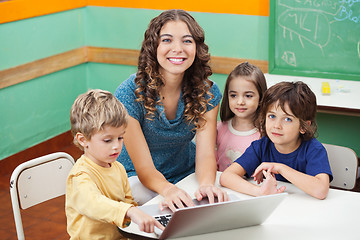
97, 200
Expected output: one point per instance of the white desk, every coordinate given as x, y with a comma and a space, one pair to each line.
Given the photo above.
344, 95
298, 217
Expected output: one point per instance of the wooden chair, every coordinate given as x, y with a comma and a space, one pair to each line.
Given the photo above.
344, 166
36, 181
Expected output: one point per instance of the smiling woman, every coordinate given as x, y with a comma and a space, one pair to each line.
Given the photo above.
175, 53
169, 99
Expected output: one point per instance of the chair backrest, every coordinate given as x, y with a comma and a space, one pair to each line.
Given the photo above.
37, 181
344, 166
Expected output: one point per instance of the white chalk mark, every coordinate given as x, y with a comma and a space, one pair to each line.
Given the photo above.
289, 58
340, 38
284, 32
302, 22
306, 25
301, 41
316, 27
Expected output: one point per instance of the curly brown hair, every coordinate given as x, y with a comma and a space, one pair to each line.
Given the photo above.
196, 85
301, 101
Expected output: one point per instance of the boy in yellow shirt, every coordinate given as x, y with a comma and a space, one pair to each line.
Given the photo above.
98, 195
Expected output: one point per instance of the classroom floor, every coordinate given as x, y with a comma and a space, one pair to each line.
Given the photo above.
46, 220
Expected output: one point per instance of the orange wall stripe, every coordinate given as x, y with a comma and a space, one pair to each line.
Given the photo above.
20, 9
246, 7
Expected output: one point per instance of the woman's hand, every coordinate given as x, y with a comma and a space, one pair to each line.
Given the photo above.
211, 192
174, 198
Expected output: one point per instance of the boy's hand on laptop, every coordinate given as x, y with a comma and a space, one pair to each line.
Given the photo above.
174, 198
145, 222
210, 191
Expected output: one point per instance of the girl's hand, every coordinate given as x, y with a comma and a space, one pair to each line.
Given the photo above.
174, 198
211, 192
145, 222
270, 184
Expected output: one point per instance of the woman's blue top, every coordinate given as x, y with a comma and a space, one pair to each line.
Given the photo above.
169, 141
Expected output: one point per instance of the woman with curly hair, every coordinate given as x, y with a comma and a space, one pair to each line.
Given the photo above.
169, 100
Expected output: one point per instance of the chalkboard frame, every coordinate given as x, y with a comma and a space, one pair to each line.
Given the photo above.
275, 69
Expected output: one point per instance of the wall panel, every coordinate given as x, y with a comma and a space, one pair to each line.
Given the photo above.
34, 111
39, 37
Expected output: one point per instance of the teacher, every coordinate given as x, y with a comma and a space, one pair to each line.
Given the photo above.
169, 100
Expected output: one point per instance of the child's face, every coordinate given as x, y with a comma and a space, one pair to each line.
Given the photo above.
177, 49
105, 146
283, 128
243, 98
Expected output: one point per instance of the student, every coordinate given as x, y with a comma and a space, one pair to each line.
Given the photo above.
98, 195
239, 113
288, 151
169, 99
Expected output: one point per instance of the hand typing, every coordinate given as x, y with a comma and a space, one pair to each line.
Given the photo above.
145, 222
211, 191
175, 197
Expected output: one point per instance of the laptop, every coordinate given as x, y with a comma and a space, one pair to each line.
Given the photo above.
206, 218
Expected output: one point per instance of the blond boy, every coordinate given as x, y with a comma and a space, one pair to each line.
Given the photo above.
98, 195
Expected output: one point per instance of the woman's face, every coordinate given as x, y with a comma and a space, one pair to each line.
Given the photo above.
177, 49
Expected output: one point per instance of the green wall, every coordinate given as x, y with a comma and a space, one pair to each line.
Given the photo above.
339, 130
35, 38
36, 110
228, 35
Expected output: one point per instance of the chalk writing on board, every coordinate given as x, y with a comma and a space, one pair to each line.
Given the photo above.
315, 38
349, 2
330, 7
346, 13
308, 25
289, 58
310, 21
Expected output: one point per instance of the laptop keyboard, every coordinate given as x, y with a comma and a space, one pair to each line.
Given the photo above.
164, 219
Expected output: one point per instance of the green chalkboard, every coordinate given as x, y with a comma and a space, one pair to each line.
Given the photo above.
316, 38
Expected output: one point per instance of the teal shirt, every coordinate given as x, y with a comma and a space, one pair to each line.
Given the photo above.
169, 141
